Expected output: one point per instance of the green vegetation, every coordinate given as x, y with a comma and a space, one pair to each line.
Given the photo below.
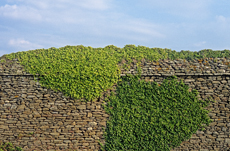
9, 147
148, 117
144, 116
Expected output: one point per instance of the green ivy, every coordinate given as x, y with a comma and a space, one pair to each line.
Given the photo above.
145, 116
9, 147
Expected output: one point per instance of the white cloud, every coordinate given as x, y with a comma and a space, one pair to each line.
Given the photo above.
61, 4
40, 4
20, 12
142, 27
55, 11
23, 44
94, 4
200, 44
18, 42
88, 15
222, 24
196, 9
221, 18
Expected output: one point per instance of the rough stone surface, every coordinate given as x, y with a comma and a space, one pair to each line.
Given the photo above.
59, 122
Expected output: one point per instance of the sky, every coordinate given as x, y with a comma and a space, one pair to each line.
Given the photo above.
174, 24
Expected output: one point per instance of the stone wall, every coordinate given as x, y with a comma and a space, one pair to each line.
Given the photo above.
63, 123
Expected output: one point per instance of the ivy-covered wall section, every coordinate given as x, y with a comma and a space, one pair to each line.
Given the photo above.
78, 97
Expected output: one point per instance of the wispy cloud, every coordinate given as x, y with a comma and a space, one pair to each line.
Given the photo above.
20, 12
144, 28
221, 18
196, 9
94, 5
199, 44
54, 11
223, 22
94, 20
63, 4
23, 44
18, 42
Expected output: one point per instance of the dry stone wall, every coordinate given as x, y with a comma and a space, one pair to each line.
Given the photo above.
60, 122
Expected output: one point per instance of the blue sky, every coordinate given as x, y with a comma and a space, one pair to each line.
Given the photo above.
175, 24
